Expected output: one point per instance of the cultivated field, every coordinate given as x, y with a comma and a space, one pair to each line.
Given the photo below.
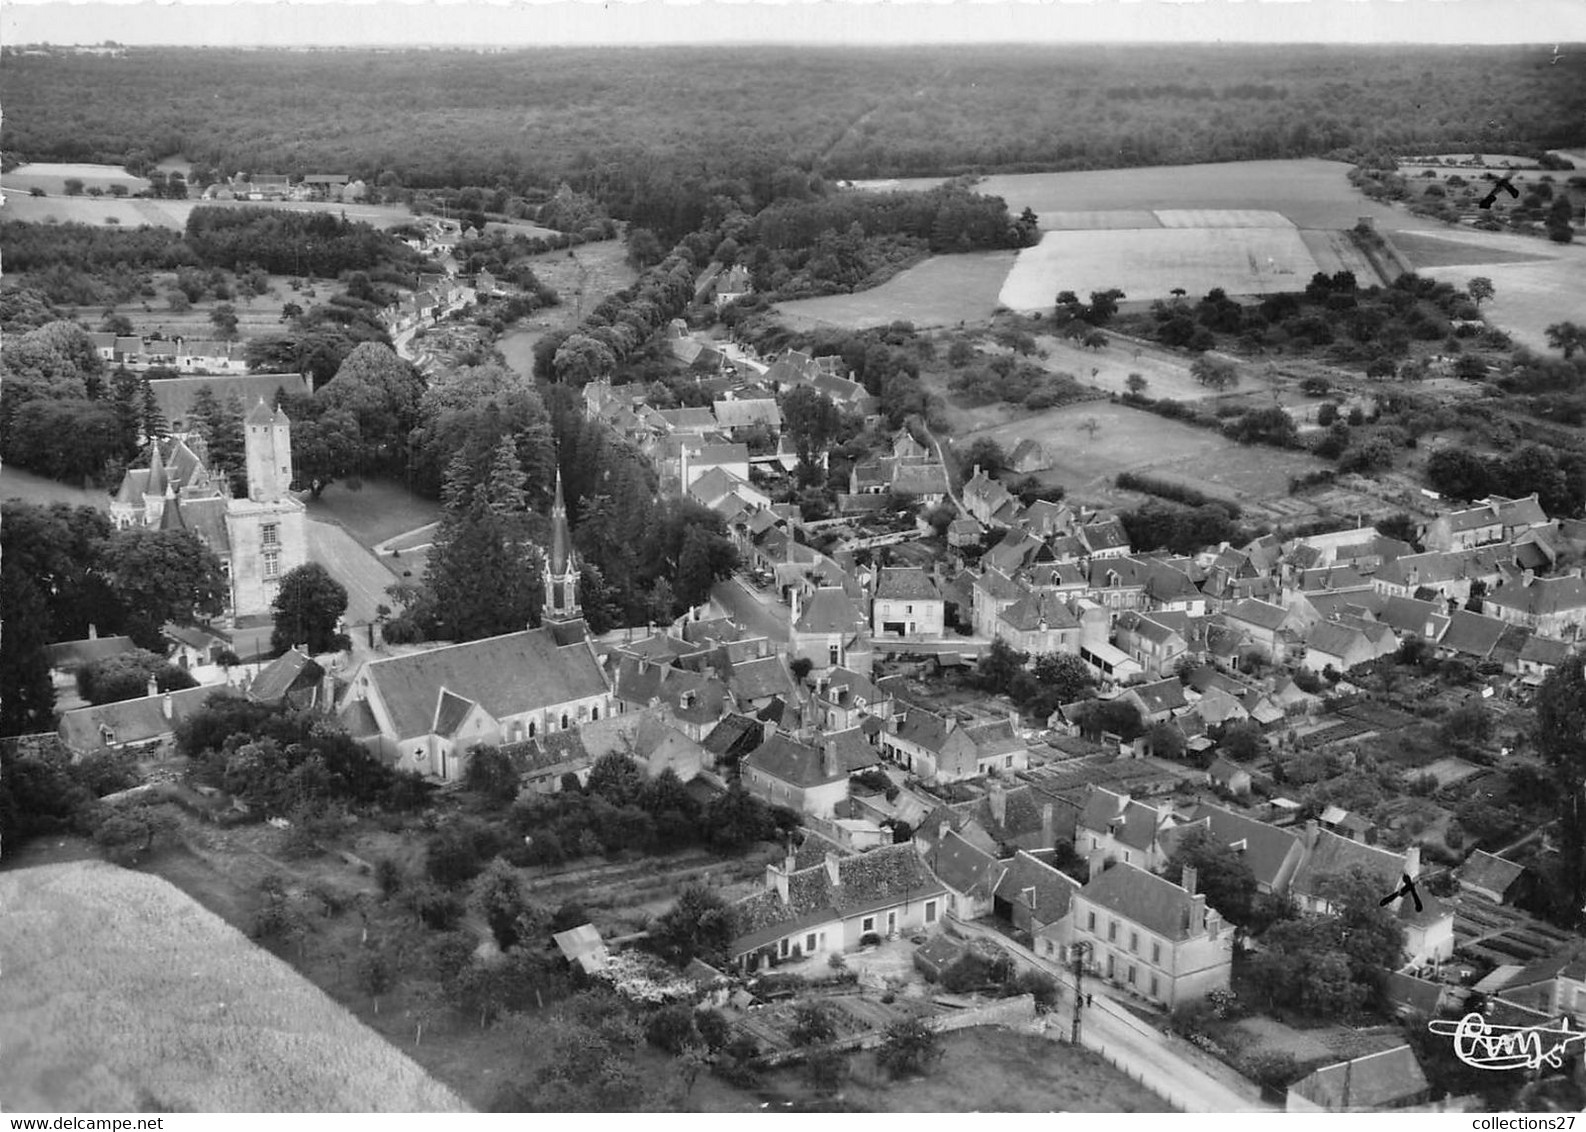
52, 177
1452, 249
1150, 263
1129, 439
121, 991
942, 291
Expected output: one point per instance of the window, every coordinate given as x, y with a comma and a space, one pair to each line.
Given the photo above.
1007, 761
809, 942
531, 728
1110, 966
271, 534
564, 721
1134, 942
930, 911
831, 654
272, 564
868, 924
1131, 974
1091, 923
1126, 859
1156, 953
782, 949
908, 609
1112, 931
1155, 992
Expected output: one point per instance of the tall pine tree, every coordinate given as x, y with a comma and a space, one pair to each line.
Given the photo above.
152, 418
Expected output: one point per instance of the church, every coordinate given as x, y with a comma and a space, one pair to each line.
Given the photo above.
426, 711
257, 539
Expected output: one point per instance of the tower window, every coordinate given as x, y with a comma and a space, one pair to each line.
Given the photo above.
271, 534
272, 564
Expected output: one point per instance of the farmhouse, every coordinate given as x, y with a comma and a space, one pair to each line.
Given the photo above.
1115, 827
907, 604
832, 906
784, 772
970, 875
132, 723
1033, 894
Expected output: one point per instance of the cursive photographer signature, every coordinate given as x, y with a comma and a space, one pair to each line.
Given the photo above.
1484, 1046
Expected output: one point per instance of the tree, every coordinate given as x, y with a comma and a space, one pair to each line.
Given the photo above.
382, 391
163, 576
1136, 383
910, 1047
1480, 289
492, 774
1064, 675
497, 896
987, 455
582, 359
813, 1024
1103, 305
698, 925
73, 187
1167, 741
644, 249
998, 665
307, 608
127, 676
825, 1070
224, 319
1215, 373
1242, 741
1566, 336
737, 820
377, 973
1221, 873
1561, 741
811, 421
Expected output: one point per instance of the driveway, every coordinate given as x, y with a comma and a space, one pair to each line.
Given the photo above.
350, 564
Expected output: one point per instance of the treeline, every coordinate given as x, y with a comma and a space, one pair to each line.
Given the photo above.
1170, 490
1557, 477
620, 324
643, 131
92, 248
292, 243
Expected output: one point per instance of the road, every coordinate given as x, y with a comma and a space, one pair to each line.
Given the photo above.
353, 566
756, 610
1144, 1053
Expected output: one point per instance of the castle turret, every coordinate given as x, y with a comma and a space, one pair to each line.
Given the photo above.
561, 569
267, 439
154, 489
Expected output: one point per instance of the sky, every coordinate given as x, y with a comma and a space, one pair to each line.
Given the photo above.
503, 23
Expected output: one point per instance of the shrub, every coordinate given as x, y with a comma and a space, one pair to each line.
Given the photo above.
910, 1047
672, 1028
1037, 983
813, 1024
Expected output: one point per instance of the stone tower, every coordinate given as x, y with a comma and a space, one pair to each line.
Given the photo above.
561, 570
154, 490
267, 440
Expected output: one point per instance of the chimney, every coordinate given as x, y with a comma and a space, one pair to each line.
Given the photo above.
998, 799
165, 709
777, 878
794, 596
1412, 861
942, 830
154, 687
1198, 913
1189, 880
1312, 832
1048, 829
833, 873
1095, 863
93, 631
831, 764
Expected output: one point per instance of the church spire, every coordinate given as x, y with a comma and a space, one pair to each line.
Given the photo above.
561, 570
157, 480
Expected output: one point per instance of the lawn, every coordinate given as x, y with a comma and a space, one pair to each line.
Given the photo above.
121, 990
942, 291
378, 510
18, 484
1148, 263
1531, 295
52, 177
990, 1069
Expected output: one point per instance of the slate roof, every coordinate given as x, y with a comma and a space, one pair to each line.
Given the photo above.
830, 610
1262, 614
1053, 889
1543, 596
1545, 650
998, 585
1021, 814
1333, 855
906, 583
1033, 609
919, 479
132, 721
1334, 639
746, 413
71, 655
1101, 807
1163, 695
1483, 870
693, 697
693, 418
359, 720
281, 675
1140, 897
756, 679
734, 735
207, 519
1472, 634
1266, 847
964, 868
506, 675
1407, 615
1568, 964
1391, 1076
1105, 535
853, 749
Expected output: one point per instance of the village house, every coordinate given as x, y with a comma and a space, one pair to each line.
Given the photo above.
1549, 607
941, 748
1553, 986
1032, 894
696, 701
1157, 646
969, 874
907, 604
988, 500
842, 699
1040, 623
1106, 538
1273, 854
992, 592
1157, 702
1229, 775
148, 720
1263, 625
1539, 657
1119, 828
1461, 530
1152, 937
1346, 643
785, 772
833, 906
1491, 877
829, 630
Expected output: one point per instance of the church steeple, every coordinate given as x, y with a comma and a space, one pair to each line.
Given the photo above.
561, 571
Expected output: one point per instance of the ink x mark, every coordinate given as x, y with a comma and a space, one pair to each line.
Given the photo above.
1406, 889
1503, 183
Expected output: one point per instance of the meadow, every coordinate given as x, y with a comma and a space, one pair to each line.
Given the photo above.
1085, 461
943, 291
52, 177
121, 992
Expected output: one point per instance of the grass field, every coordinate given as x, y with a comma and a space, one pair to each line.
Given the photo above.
16, 483
377, 511
121, 990
1149, 263
52, 177
1436, 249
942, 291
1531, 293
1128, 439
581, 276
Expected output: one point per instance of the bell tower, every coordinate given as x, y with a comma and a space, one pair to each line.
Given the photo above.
561, 570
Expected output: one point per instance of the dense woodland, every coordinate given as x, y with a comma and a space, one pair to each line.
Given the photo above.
657, 135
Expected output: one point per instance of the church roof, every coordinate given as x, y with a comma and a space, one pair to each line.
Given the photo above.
559, 537
157, 481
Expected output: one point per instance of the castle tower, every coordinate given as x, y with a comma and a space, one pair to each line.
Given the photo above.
154, 489
561, 570
267, 440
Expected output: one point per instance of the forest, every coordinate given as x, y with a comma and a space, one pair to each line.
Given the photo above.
658, 135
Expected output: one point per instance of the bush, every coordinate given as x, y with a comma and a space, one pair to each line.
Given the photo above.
672, 1028
1037, 983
